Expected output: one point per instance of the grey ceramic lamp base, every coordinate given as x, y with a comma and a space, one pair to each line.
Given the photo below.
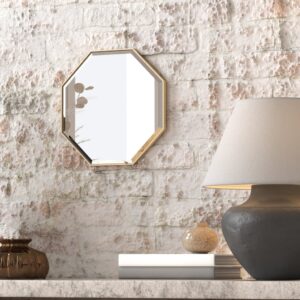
264, 232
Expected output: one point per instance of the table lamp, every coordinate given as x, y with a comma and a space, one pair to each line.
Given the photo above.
260, 150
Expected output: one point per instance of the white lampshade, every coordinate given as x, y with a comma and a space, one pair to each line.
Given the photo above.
260, 145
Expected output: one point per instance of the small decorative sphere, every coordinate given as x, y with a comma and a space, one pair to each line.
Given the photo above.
200, 239
79, 87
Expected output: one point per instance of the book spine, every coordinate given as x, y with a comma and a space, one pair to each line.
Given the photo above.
223, 260
178, 273
165, 273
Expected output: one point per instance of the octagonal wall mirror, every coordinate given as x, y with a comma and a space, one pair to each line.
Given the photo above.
114, 107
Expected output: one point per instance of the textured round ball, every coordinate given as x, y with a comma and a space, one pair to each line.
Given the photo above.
79, 87
200, 239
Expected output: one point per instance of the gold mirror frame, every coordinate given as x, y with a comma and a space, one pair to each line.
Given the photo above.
151, 140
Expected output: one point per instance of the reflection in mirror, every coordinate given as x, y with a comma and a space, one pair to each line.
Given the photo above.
114, 107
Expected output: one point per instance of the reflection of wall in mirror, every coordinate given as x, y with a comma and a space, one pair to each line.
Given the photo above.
159, 114
140, 90
102, 122
69, 109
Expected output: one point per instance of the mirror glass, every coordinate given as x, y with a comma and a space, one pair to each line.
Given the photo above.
113, 107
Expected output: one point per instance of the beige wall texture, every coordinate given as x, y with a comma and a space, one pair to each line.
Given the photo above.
211, 52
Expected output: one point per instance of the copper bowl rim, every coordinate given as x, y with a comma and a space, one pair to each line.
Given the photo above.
6, 241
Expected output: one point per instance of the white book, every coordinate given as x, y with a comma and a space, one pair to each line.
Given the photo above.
175, 260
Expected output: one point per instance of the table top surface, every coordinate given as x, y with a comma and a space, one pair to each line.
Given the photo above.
159, 289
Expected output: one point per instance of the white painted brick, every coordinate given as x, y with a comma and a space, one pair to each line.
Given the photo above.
80, 44
182, 96
116, 239
290, 33
5, 4
6, 21
168, 40
217, 40
291, 8
178, 213
174, 156
259, 9
199, 66
258, 36
180, 40
4, 129
129, 183
68, 158
232, 90
178, 184
33, 218
267, 64
5, 187
147, 40
210, 12
23, 52
203, 152
173, 13
120, 211
195, 95
96, 40
189, 126
42, 20
62, 19
195, 67
207, 94
139, 14
222, 67
24, 102
168, 65
28, 76
167, 238
114, 183
286, 87
51, 186
104, 16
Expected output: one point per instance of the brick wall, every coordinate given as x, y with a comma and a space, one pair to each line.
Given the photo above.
212, 53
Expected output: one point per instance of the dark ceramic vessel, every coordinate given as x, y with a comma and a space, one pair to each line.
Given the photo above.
19, 261
264, 232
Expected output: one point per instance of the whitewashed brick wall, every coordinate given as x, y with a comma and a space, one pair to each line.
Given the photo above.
212, 53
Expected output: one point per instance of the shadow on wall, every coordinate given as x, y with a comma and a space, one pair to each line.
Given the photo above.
82, 220
81, 239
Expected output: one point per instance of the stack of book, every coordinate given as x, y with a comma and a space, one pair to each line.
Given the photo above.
178, 266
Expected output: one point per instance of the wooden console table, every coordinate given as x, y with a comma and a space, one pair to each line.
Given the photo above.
151, 289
